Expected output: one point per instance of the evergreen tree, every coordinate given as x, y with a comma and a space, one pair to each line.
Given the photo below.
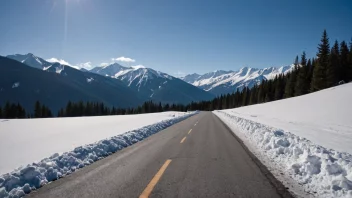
319, 73
333, 68
344, 69
302, 83
245, 97
290, 84
7, 110
21, 112
48, 113
279, 88
253, 97
296, 64
261, 94
1, 116
349, 77
44, 112
310, 66
37, 110
69, 109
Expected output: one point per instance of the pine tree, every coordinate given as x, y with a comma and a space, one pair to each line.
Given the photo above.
253, 96
44, 112
302, 83
279, 88
69, 109
344, 70
310, 66
7, 110
319, 73
349, 77
290, 84
245, 98
37, 110
333, 68
1, 116
296, 64
21, 112
261, 93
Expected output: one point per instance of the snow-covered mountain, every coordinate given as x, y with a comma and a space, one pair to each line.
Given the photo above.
39, 63
223, 82
54, 87
109, 70
147, 83
155, 85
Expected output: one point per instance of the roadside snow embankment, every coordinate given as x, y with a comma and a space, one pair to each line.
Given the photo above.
33, 176
306, 138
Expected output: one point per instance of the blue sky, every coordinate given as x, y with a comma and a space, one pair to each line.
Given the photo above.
176, 37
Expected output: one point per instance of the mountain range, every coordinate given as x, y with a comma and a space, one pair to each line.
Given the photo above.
27, 78
154, 85
54, 88
223, 82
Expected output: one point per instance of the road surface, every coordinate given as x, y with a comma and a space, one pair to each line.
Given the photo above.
198, 157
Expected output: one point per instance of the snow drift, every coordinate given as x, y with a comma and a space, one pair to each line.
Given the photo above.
306, 139
34, 175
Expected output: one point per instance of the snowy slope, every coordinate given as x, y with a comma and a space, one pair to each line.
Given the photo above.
323, 117
154, 85
306, 140
223, 82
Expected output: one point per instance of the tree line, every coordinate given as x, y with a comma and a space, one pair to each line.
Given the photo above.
75, 109
331, 67
15, 110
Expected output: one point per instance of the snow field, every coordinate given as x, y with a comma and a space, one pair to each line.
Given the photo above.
322, 117
27, 178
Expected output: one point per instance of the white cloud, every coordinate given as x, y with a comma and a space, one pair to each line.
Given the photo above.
104, 64
138, 66
180, 74
55, 60
86, 65
124, 59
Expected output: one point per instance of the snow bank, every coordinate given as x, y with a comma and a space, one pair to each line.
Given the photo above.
37, 174
319, 171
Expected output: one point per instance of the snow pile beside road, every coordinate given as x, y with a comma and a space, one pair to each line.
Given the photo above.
37, 174
320, 171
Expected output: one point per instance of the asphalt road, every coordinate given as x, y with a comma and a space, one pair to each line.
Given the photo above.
208, 161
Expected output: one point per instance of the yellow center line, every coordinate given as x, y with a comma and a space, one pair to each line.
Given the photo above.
183, 140
154, 181
189, 131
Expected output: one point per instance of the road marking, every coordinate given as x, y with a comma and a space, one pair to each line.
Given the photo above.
189, 131
195, 124
154, 181
183, 140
